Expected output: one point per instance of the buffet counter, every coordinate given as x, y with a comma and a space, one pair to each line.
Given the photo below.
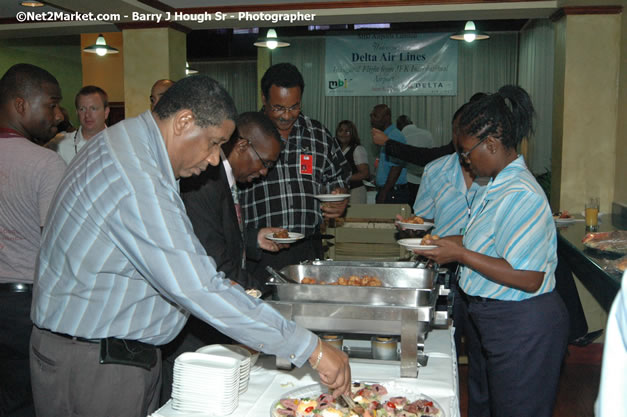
438, 380
589, 265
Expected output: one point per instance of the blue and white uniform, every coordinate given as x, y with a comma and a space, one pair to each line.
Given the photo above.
512, 221
444, 197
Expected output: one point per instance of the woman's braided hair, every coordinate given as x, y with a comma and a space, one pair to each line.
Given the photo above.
506, 115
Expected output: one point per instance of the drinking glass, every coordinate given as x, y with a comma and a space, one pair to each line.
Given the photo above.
592, 212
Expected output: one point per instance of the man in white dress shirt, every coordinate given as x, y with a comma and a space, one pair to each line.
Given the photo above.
420, 138
92, 107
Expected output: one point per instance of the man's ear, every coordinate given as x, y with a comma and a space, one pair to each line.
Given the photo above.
183, 120
107, 109
20, 104
241, 145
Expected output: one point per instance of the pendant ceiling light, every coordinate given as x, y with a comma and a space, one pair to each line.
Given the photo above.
470, 33
32, 4
101, 48
271, 41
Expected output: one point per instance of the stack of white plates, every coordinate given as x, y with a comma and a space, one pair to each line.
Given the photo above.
205, 383
235, 352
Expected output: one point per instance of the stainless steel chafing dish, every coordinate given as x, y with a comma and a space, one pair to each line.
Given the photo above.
404, 306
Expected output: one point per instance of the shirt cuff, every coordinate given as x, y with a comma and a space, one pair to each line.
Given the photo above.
303, 351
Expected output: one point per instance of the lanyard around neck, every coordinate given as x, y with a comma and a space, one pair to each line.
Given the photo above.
75, 142
480, 207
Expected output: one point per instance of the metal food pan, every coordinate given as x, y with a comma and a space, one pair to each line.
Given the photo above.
411, 287
370, 264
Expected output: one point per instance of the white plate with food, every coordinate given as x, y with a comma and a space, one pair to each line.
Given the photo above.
415, 226
332, 197
563, 218
291, 237
395, 398
414, 243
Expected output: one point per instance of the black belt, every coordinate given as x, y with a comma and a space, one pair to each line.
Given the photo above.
15, 287
120, 351
395, 188
74, 338
476, 298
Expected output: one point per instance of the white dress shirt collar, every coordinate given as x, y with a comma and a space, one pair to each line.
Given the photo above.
228, 169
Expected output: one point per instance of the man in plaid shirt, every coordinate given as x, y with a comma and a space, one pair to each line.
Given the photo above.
310, 163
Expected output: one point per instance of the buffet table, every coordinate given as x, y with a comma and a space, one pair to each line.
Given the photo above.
587, 264
438, 380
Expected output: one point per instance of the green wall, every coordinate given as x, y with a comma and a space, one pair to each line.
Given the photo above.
60, 55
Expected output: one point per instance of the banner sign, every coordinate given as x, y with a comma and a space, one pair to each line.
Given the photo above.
391, 64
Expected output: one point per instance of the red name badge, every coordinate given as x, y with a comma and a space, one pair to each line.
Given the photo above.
306, 164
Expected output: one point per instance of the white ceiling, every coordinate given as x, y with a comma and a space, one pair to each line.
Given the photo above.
9, 9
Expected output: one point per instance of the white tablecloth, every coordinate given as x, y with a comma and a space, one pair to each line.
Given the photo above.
438, 380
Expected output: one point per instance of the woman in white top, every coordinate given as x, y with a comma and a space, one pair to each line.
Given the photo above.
347, 137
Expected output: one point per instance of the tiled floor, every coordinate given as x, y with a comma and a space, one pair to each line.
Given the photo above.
579, 383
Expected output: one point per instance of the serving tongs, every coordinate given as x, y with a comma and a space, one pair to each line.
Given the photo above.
426, 263
280, 277
357, 409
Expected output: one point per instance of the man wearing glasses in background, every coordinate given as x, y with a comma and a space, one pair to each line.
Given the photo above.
311, 163
92, 107
212, 205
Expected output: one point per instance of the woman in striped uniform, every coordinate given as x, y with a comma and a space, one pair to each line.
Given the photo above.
508, 257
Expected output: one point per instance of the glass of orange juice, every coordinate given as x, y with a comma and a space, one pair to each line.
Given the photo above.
592, 212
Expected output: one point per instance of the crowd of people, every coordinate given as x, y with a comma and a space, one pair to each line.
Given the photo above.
120, 240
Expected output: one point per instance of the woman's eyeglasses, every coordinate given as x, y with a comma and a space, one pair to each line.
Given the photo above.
465, 156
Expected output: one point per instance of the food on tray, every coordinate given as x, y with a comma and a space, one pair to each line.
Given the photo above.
414, 220
365, 281
281, 234
562, 215
621, 264
429, 236
615, 242
372, 400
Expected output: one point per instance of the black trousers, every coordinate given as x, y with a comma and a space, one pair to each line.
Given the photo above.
566, 288
478, 392
398, 195
16, 398
523, 344
413, 192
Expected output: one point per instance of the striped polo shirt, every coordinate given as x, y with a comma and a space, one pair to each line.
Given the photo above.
444, 197
512, 221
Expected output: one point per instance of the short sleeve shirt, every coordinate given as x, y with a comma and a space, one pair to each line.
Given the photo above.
444, 197
512, 221
29, 176
386, 162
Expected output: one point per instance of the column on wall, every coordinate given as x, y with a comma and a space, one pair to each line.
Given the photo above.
150, 54
585, 107
264, 61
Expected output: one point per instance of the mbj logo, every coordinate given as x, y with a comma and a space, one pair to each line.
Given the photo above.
339, 84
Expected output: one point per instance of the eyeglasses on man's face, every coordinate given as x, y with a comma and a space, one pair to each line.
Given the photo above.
465, 156
266, 164
276, 109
